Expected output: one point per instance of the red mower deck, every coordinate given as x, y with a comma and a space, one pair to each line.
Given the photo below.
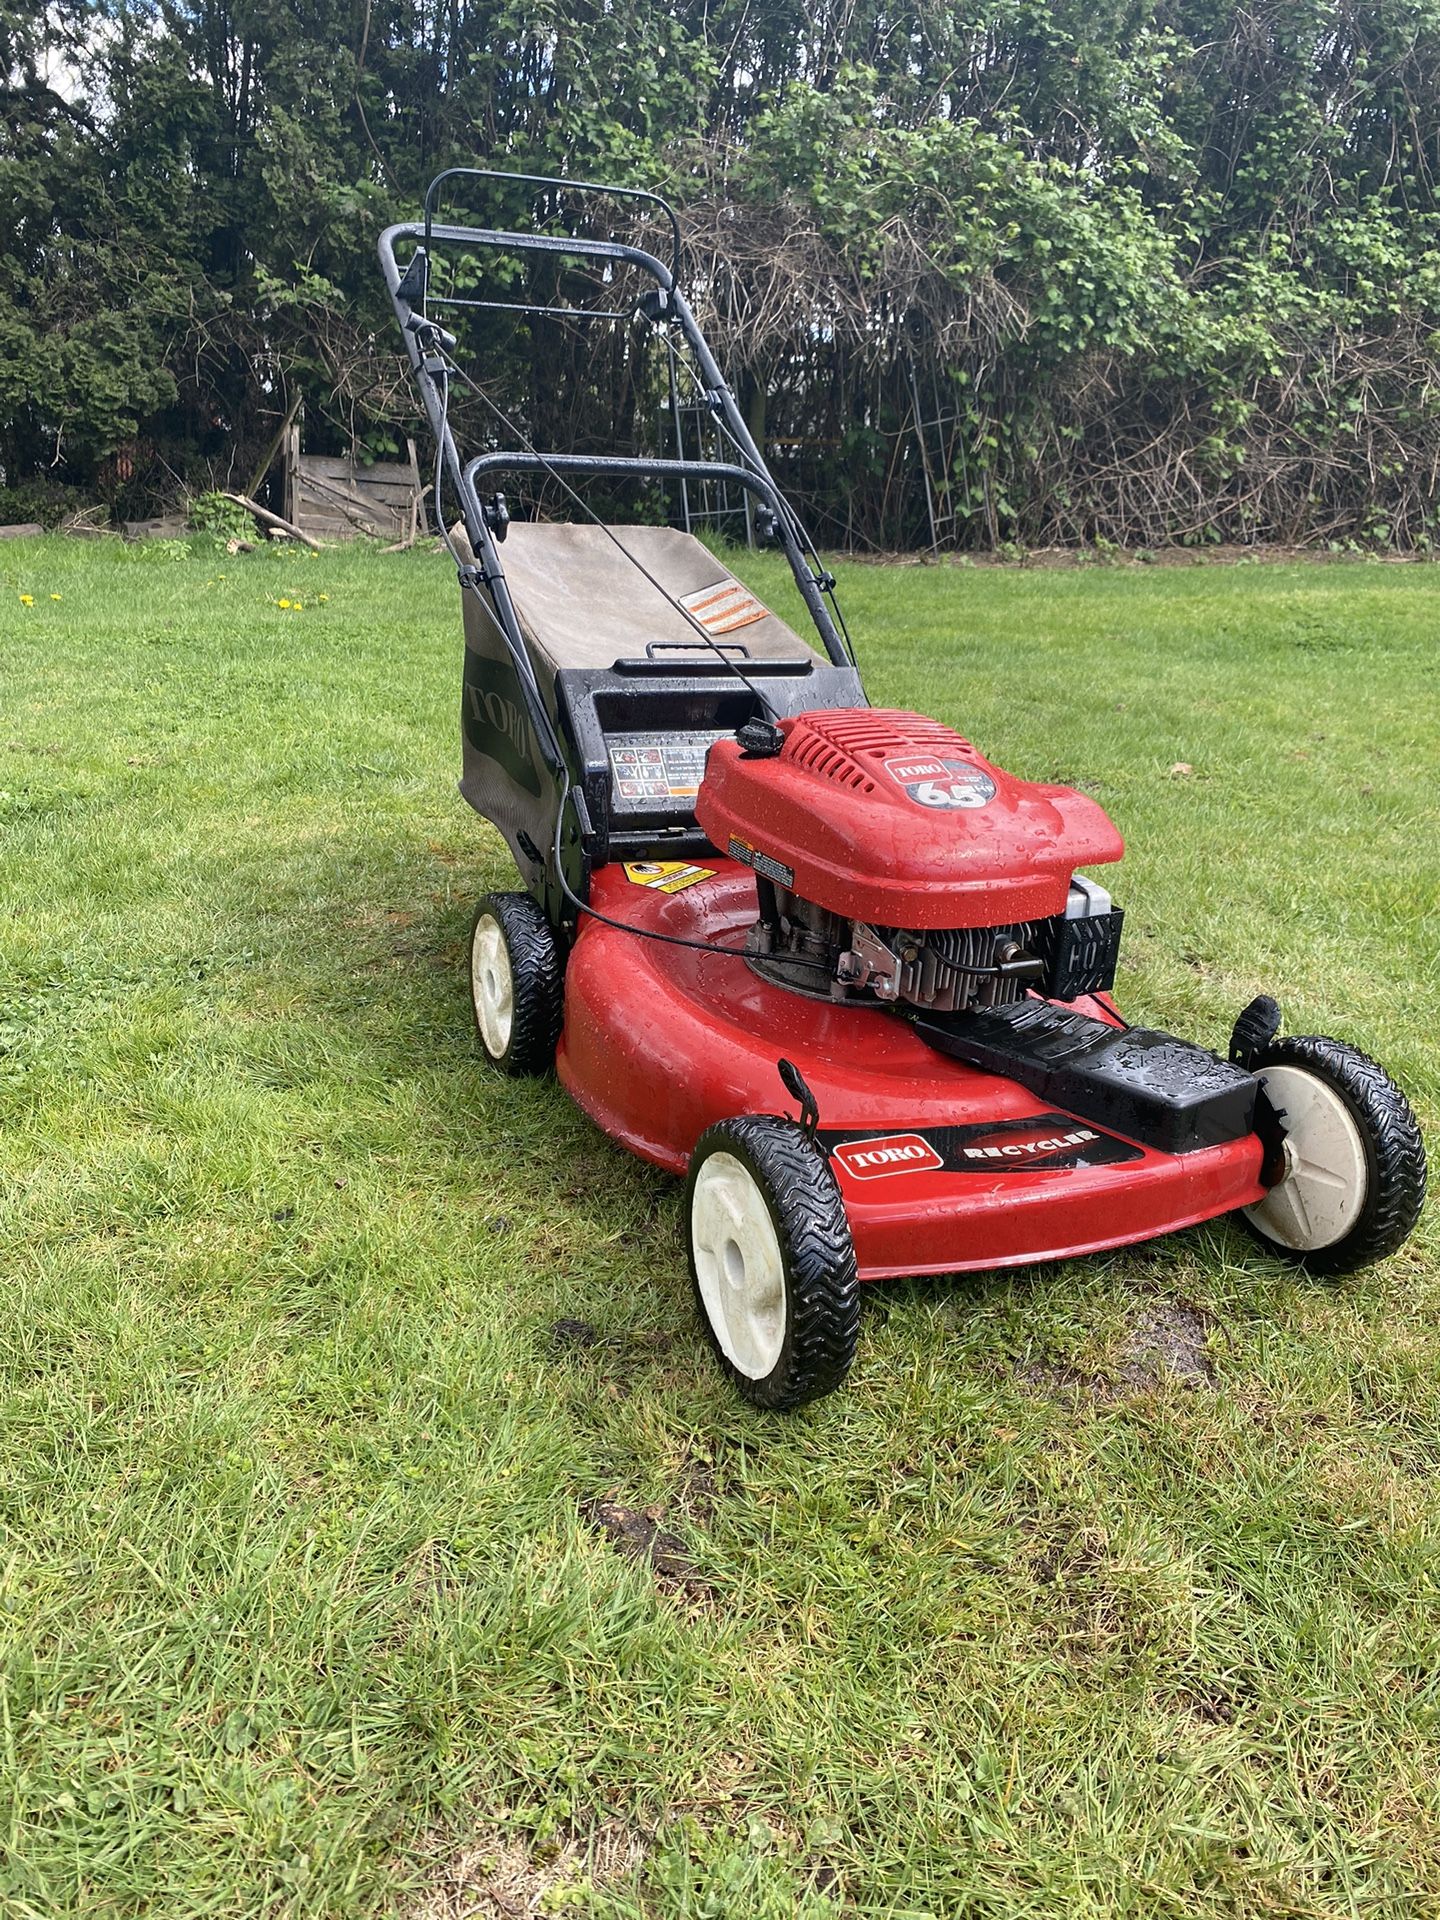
943, 1169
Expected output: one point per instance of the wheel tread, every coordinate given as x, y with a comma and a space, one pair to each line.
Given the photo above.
819, 1253
537, 971
1394, 1149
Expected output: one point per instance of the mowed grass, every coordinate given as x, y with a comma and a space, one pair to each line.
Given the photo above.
1108, 1588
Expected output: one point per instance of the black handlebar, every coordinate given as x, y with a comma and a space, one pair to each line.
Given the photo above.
551, 180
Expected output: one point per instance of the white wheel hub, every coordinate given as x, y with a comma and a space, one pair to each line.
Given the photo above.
492, 986
738, 1264
1321, 1193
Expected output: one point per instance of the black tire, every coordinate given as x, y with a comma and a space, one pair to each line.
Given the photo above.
816, 1320
1390, 1148
510, 931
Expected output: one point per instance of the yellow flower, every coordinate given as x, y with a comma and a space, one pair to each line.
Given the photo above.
298, 606
282, 603
54, 596
322, 598
27, 599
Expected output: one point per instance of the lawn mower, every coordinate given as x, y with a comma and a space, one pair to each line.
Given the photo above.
824, 960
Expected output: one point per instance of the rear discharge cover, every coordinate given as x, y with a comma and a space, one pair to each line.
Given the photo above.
891, 818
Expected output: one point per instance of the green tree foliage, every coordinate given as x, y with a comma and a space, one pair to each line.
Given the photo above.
1160, 273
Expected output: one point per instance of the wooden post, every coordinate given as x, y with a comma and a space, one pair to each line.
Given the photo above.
257, 478
292, 470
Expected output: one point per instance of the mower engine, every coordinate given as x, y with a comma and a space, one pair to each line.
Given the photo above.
894, 864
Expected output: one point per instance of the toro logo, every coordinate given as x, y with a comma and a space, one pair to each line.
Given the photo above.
893, 1153
942, 783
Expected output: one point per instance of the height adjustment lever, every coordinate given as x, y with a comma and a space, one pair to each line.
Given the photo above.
795, 1085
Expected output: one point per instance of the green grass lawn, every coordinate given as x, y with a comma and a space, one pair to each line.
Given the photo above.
1111, 1588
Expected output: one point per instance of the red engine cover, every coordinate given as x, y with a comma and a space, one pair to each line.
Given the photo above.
895, 819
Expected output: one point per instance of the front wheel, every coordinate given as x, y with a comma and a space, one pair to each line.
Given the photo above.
1352, 1175
772, 1261
517, 983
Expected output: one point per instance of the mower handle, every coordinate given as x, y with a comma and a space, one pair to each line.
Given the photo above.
551, 180
417, 231
634, 466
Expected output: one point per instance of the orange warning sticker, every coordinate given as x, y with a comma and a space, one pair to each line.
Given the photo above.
666, 876
723, 606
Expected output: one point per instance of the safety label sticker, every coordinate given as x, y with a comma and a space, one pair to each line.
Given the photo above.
653, 769
666, 876
1040, 1142
763, 863
723, 606
942, 783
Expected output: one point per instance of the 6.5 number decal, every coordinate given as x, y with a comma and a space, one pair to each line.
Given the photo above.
942, 783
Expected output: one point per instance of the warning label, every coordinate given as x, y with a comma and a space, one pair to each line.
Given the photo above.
666, 876
763, 863
723, 606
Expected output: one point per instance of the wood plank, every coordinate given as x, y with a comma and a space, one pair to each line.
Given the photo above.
332, 467
362, 513
338, 497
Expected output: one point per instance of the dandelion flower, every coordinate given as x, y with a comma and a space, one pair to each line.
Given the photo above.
27, 599
297, 606
283, 603
54, 596
322, 598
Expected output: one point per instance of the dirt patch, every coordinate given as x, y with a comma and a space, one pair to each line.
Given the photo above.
1167, 1342
1070, 1556
566, 1335
499, 1877
1211, 1706
1062, 1380
637, 1533
700, 1489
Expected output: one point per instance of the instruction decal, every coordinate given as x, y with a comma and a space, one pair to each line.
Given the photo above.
931, 782
650, 770
723, 606
666, 876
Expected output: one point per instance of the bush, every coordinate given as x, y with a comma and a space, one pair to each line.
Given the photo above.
212, 513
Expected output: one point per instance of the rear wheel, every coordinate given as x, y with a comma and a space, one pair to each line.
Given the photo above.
517, 980
772, 1261
1352, 1174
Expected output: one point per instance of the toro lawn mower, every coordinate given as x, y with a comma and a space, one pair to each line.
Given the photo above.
826, 961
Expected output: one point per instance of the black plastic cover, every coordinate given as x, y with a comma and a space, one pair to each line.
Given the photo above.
1149, 1086
1084, 955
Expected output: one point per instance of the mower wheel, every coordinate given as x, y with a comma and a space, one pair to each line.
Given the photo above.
1353, 1175
517, 983
772, 1261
